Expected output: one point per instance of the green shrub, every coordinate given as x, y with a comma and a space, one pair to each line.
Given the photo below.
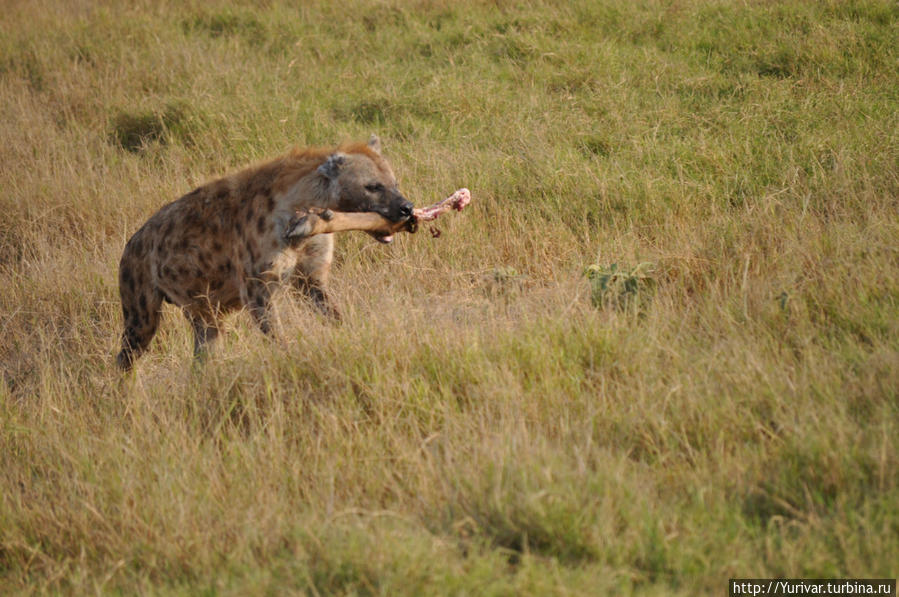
175, 122
621, 288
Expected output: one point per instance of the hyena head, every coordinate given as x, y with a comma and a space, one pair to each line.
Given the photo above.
362, 180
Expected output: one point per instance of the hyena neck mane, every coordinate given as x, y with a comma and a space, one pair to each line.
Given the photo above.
301, 185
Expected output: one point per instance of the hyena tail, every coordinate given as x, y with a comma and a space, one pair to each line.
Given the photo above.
141, 303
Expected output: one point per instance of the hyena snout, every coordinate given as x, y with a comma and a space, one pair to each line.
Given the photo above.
396, 209
403, 211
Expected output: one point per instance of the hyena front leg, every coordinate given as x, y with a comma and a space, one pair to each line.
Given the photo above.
316, 290
257, 298
311, 274
206, 331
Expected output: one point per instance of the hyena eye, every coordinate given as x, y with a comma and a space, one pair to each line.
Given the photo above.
374, 187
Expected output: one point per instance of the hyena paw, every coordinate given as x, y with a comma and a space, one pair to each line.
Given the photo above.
299, 227
303, 224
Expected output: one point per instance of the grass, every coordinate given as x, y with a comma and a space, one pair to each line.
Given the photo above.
477, 425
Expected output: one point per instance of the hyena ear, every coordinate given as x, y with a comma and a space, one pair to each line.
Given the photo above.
331, 168
375, 143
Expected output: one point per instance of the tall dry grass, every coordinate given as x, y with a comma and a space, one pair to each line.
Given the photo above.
476, 425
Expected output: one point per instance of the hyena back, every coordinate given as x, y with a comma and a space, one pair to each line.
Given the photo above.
223, 246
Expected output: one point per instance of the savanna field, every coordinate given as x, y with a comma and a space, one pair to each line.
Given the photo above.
659, 350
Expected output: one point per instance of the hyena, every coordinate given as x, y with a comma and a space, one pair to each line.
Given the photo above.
224, 245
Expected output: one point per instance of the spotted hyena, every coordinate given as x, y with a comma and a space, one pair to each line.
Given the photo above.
223, 246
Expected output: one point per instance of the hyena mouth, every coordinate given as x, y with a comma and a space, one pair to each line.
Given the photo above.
382, 237
409, 224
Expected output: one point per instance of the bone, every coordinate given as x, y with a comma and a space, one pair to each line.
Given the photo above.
324, 221
456, 201
314, 222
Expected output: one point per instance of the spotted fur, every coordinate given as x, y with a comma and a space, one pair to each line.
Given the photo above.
223, 246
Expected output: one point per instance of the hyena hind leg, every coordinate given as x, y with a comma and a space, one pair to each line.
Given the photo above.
141, 313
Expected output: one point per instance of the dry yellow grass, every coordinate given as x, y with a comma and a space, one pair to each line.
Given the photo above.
476, 425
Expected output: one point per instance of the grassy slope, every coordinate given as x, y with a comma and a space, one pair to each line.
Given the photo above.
464, 431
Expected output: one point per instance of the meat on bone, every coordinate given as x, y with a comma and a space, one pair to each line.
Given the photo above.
324, 221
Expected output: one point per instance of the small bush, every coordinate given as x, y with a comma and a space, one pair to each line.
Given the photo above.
227, 24
134, 131
596, 145
622, 289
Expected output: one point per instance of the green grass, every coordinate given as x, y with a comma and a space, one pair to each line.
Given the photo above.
478, 424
